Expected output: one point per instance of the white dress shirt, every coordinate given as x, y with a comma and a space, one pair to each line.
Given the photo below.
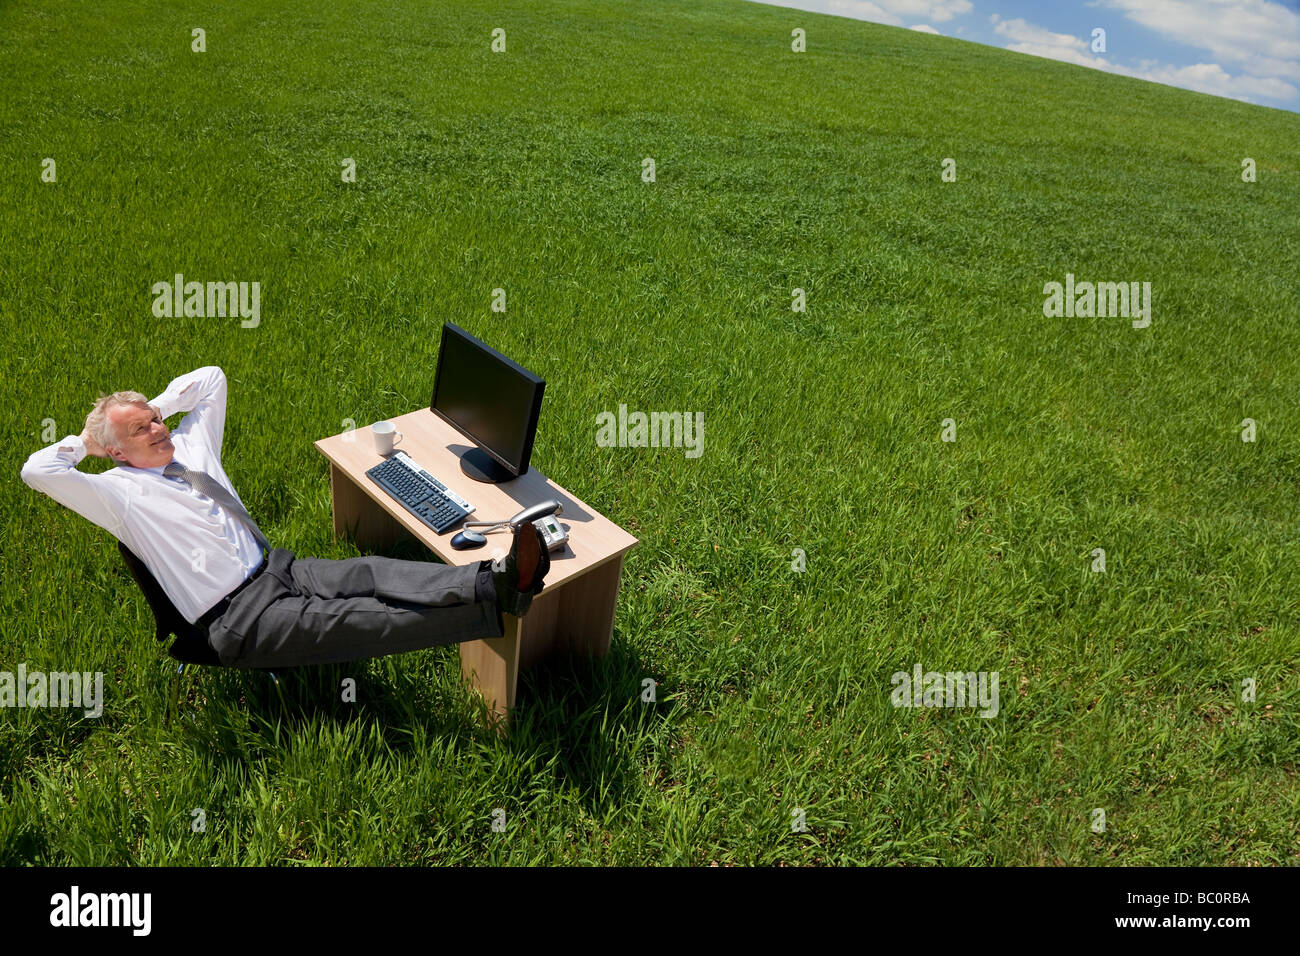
197, 550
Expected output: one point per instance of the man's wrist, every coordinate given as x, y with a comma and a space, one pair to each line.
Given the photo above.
89, 447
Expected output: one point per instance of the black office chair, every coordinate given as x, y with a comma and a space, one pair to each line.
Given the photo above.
191, 644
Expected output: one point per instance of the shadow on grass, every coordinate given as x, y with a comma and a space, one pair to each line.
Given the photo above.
585, 712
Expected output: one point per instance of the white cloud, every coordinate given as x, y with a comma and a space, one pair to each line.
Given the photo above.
1202, 77
891, 12
1258, 36
925, 28
1252, 46
939, 11
1038, 41
861, 10
1212, 78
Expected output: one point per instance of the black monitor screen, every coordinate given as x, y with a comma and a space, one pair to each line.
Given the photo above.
491, 400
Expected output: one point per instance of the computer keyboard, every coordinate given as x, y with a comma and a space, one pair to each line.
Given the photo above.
419, 492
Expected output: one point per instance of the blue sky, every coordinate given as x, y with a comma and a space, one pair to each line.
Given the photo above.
1242, 49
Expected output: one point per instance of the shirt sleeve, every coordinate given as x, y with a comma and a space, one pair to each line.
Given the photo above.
201, 393
98, 498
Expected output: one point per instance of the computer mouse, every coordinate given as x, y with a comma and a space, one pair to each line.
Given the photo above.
465, 540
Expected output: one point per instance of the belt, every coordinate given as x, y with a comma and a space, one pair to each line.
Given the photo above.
220, 608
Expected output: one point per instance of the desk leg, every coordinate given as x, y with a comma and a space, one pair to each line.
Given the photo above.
577, 617
585, 616
491, 667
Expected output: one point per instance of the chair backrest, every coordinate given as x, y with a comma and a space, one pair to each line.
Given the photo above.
191, 644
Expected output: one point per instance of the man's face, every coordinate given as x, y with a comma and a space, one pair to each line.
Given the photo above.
143, 441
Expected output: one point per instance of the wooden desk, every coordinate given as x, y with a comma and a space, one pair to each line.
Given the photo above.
575, 612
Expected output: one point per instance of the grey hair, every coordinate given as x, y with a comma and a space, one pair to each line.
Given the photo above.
97, 424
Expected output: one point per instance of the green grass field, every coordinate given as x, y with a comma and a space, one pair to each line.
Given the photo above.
775, 171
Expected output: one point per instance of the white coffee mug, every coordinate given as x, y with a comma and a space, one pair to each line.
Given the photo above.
386, 436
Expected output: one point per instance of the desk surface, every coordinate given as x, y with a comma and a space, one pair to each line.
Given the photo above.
436, 447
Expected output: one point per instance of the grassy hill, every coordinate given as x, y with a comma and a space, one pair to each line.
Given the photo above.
774, 171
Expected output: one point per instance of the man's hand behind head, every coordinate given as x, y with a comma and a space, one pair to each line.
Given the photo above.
92, 447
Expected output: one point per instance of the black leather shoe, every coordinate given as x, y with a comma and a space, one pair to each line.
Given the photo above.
518, 575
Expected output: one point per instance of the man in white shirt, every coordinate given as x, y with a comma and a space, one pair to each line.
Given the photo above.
172, 504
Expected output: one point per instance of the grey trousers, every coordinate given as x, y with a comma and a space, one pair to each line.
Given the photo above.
323, 611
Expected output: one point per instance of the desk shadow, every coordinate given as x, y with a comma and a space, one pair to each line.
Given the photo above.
526, 490
589, 711
585, 710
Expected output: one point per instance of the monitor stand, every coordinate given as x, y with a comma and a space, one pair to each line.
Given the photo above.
481, 466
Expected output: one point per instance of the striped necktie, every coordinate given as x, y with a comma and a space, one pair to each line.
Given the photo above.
205, 484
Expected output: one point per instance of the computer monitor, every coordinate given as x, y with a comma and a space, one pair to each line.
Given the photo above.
489, 399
